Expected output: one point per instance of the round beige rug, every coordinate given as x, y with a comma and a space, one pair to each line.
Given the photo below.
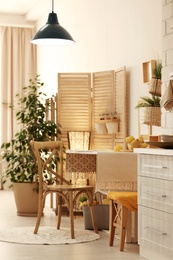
45, 236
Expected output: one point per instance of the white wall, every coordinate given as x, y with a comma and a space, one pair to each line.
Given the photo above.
108, 34
167, 56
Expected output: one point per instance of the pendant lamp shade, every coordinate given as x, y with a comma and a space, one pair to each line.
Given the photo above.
52, 33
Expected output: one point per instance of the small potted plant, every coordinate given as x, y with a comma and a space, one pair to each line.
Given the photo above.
152, 110
21, 167
155, 83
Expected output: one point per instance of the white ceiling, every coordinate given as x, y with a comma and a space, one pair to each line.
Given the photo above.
18, 7
31, 9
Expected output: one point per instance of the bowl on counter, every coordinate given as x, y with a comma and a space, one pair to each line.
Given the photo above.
167, 138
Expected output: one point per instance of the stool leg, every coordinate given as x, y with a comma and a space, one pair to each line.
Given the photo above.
112, 214
124, 219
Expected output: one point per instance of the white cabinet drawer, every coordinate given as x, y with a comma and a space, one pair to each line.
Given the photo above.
157, 166
156, 233
155, 193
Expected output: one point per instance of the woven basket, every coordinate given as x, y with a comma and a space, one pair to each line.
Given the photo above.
152, 116
155, 87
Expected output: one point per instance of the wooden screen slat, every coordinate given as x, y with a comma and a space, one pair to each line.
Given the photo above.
74, 103
103, 101
121, 100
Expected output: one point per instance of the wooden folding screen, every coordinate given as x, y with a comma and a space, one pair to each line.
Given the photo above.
109, 95
74, 103
75, 112
103, 102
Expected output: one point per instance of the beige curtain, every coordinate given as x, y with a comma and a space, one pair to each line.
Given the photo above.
18, 65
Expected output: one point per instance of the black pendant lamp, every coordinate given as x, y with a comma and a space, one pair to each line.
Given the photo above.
52, 33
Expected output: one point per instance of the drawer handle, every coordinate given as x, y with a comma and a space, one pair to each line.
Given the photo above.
155, 166
155, 194
156, 231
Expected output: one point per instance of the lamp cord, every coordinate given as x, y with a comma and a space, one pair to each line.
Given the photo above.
52, 6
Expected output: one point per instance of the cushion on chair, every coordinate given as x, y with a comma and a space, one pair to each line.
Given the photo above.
126, 198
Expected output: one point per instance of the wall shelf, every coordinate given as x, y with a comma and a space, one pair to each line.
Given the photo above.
104, 121
148, 70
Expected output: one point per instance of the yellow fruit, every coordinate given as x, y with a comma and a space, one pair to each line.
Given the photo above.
143, 145
130, 147
129, 139
118, 148
135, 143
141, 139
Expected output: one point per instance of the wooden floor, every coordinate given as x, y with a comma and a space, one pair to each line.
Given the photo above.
96, 250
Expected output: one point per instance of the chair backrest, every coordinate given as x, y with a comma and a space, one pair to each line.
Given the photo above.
78, 140
49, 156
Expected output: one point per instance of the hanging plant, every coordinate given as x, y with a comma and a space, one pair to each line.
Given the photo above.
156, 83
152, 110
154, 101
158, 69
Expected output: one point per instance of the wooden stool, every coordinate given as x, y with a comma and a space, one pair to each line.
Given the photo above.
120, 205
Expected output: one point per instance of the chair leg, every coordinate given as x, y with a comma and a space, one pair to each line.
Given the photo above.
59, 205
40, 211
124, 219
112, 214
71, 214
93, 218
92, 212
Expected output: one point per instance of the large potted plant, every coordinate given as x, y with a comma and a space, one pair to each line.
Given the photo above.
21, 167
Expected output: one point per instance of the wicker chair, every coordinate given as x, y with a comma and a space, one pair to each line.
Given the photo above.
62, 188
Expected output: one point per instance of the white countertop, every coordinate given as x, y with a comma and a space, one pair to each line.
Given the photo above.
95, 152
159, 151
82, 151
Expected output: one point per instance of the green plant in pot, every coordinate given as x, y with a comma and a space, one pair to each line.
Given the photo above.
152, 110
153, 101
155, 83
21, 167
158, 69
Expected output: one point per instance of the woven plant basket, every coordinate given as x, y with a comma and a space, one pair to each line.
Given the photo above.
152, 116
155, 87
